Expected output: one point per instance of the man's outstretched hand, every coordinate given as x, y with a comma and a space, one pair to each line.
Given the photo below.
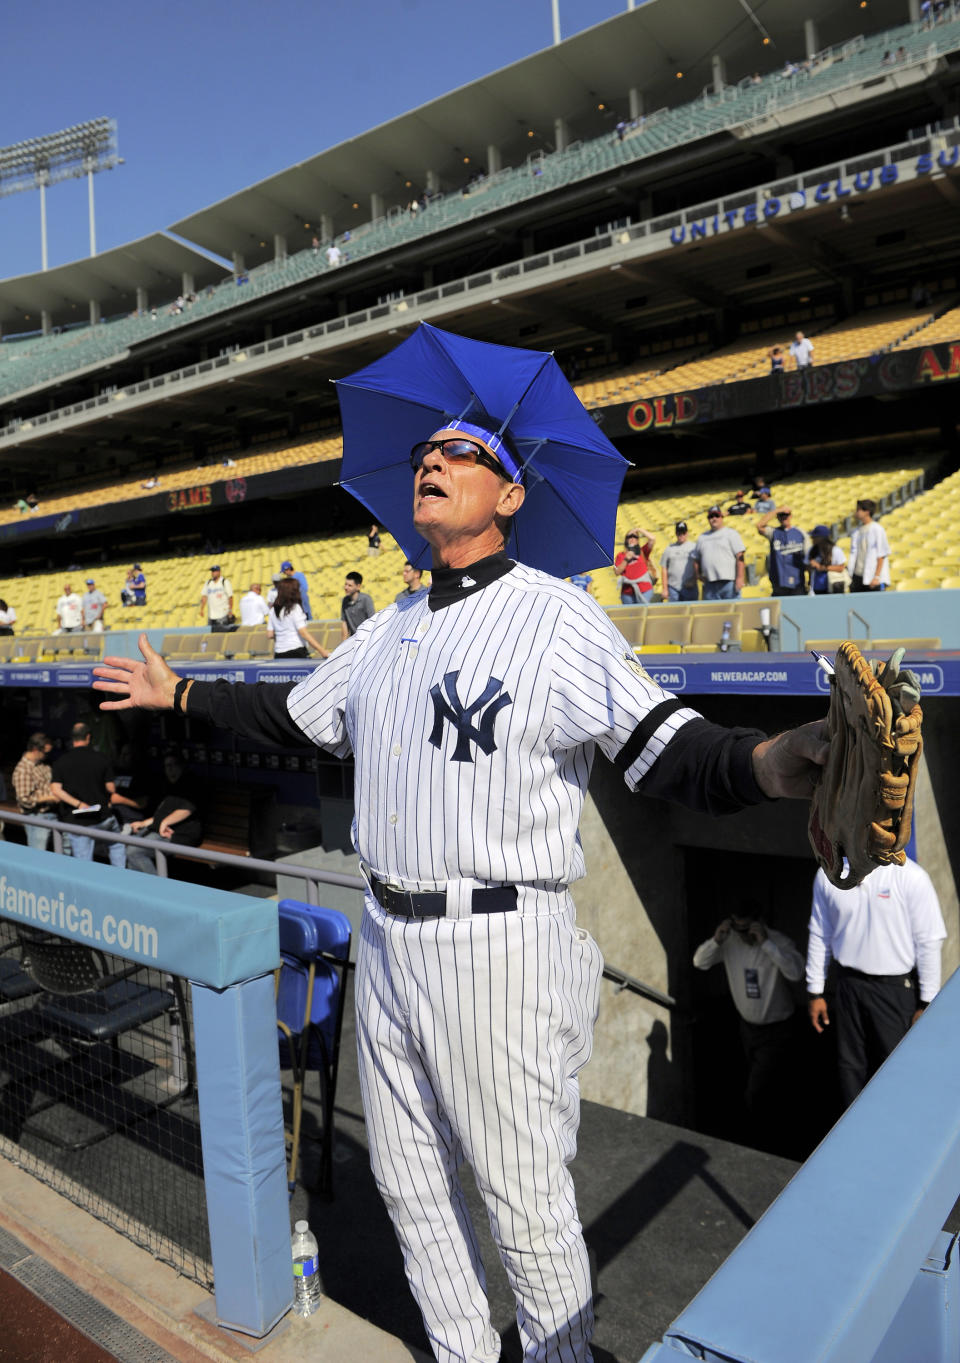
144, 686
790, 764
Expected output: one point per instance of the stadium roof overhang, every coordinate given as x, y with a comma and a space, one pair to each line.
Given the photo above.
584, 81
111, 280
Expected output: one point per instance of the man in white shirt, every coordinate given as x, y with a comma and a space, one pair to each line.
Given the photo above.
801, 348
878, 933
253, 609
69, 612
94, 605
217, 599
719, 559
869, 551
759, 962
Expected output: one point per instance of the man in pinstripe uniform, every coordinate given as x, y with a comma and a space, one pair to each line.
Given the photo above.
473, 713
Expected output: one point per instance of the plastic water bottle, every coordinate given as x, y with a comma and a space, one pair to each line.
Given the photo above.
306, 1270
203, 645
725, 636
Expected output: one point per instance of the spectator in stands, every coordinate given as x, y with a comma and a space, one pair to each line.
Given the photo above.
151, 482
128, 595
789, 551
869, 551
334, 255
22, 506
373, 541
827, 563
274, 584
740, 506
901, 54
8, 617
139, 584
413, 584
287, 624
69, 612
776, 360
581, 580
216, 599
254, 611
286, 568
718, 557
765, 503
636, 578
83, 783
679, 574
620, 127
33, 501
356, 605
94, 605
801, 348
176, 818
887, 59
31, 787
760, 965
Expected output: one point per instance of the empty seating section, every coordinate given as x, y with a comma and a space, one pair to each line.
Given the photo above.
924, 546
898, 325
242, 466
33, 360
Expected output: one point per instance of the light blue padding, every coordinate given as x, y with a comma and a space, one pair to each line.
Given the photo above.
204, 935
244, 1169
824, 1274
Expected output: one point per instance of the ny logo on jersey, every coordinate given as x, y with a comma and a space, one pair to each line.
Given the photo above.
462, 717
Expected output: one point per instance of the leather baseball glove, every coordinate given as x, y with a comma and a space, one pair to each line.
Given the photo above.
862, 807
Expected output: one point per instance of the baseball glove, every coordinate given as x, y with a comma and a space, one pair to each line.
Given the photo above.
863, 805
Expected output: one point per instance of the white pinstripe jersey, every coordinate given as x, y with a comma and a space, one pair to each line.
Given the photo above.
473, 729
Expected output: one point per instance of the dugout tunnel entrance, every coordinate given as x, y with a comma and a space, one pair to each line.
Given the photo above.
797, 1100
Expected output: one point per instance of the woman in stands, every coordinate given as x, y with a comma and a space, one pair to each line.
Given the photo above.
8, 617
287, 623
827, 563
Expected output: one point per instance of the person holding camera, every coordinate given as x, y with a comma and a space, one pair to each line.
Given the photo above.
760, 963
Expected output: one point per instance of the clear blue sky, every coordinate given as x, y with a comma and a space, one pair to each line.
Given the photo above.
210, 97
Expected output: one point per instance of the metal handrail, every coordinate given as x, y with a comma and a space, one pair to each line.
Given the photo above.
312, 875
855, 615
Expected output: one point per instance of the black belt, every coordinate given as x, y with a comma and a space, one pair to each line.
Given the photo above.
433, 903
881, 979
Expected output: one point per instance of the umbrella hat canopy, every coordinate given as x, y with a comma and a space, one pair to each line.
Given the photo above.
571, 471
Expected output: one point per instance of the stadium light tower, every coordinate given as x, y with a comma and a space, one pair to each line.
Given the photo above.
83, 149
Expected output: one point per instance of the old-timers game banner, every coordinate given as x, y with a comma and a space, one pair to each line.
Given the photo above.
893, 372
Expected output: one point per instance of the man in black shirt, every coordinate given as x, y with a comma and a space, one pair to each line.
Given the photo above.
176, 818
83, 783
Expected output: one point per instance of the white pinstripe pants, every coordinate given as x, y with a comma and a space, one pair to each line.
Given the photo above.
471, 1033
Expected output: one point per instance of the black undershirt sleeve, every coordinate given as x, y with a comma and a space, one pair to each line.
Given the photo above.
257, 710
707, 768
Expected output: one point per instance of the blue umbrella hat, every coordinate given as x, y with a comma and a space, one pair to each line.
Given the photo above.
571, 472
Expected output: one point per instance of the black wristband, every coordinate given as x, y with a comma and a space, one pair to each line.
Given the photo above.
178, 691
811, 996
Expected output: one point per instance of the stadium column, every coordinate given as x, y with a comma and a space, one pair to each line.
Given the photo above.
636, 102
914, 11
326, 227
46, 322
719, 72
376, 207
143, 302
279, 246
186, 284
94, 312
494, 159
810, 38
561, 134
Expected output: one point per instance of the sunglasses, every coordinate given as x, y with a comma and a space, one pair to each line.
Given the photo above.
456, 451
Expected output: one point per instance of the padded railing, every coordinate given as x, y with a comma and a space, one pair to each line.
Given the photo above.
849, 1265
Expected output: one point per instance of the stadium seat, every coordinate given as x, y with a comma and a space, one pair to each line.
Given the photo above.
310, 991
706, 631
922, 645
665, 632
